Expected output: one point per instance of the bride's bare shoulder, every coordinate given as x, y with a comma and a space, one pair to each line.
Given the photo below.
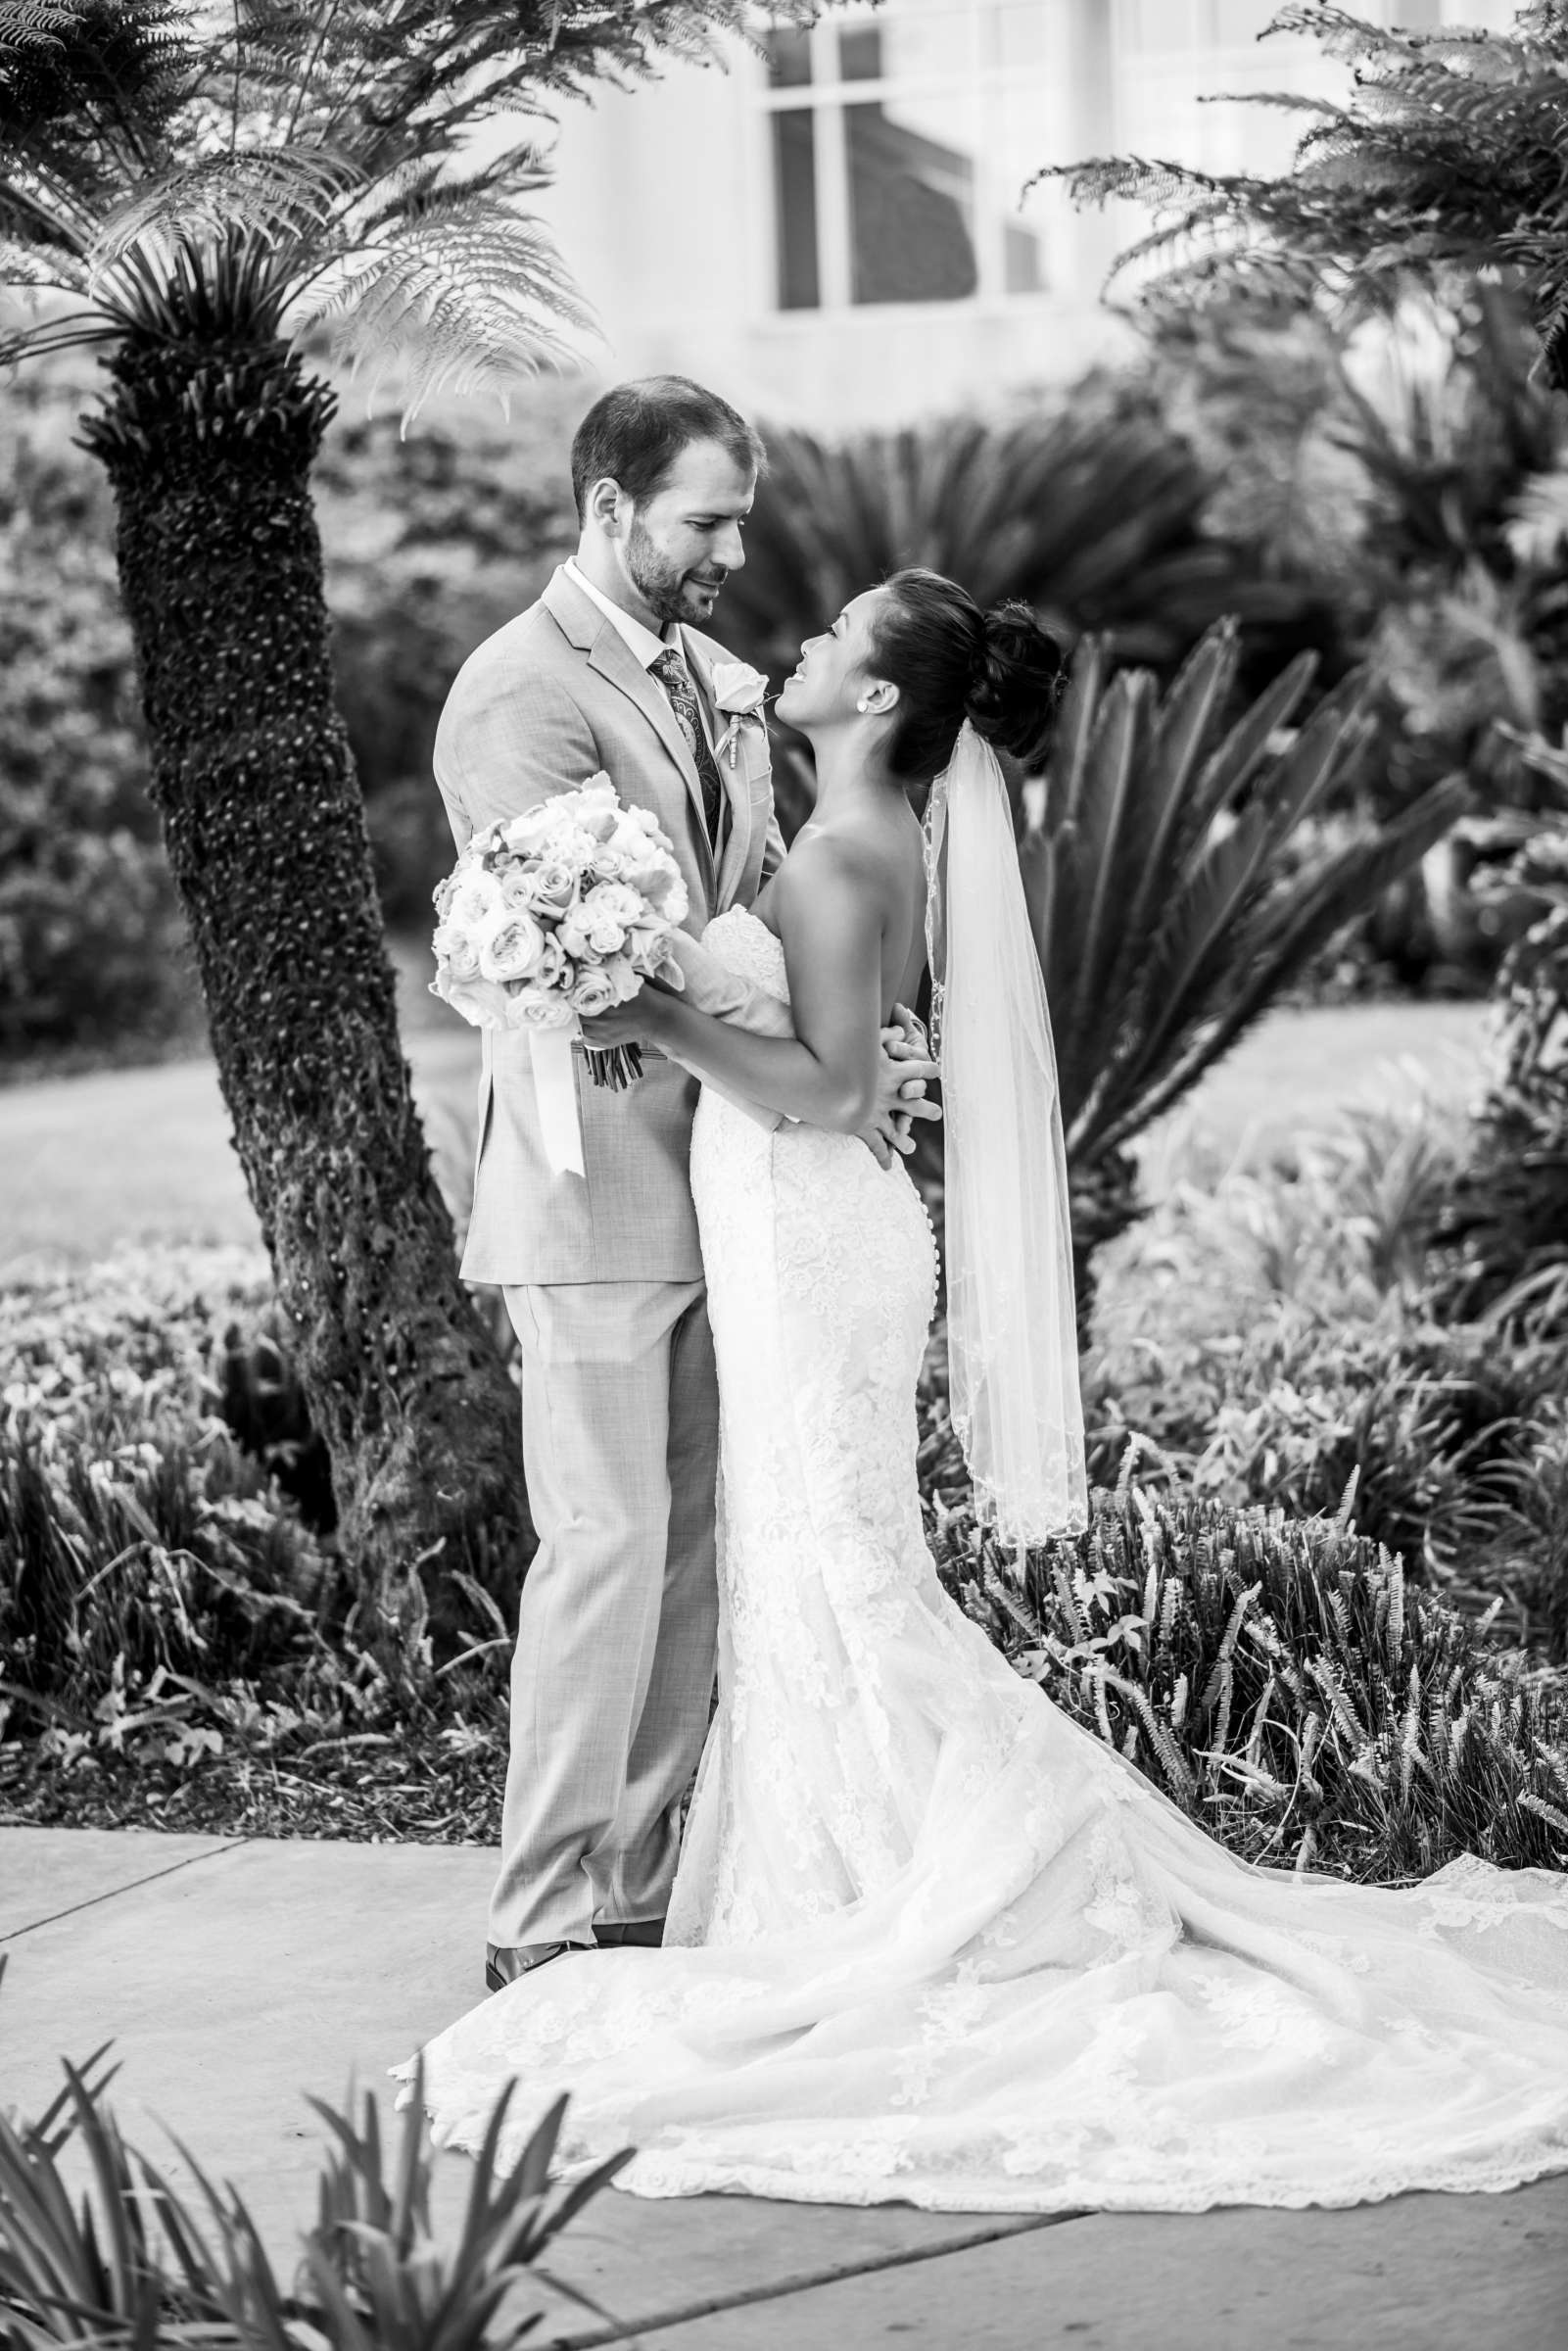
861, 861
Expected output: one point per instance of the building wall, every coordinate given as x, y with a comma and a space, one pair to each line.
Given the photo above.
667, 200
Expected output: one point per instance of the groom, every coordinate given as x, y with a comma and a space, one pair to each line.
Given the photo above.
602, 1274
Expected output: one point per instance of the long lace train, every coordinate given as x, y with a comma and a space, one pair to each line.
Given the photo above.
929, 1941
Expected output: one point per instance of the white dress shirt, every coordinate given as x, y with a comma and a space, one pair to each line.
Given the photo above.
646, 646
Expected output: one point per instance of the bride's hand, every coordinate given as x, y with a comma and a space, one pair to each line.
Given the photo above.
638, 1022
906, 1070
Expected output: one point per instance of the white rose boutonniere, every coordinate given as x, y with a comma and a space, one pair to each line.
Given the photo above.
739, 693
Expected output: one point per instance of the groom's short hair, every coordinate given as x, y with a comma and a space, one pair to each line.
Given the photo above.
633, 433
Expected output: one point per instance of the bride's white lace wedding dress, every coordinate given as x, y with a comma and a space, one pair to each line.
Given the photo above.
930, 1941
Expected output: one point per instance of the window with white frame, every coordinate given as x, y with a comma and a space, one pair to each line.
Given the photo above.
899, 142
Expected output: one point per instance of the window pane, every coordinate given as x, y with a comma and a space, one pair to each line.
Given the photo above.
788, 57
911, 208
794, 186
1022, 126
918, 40
860, 53
1023, 262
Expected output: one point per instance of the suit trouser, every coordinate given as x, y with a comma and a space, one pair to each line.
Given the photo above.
612, 1675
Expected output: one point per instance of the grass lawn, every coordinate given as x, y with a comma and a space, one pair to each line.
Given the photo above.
133, 1156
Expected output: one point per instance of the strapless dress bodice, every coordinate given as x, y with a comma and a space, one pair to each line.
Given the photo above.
744, 943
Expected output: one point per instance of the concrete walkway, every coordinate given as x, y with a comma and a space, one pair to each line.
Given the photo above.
234, 1977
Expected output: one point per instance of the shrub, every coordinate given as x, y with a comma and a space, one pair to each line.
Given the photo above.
92, 944
432, 538
1503, 1234
1281, 1683
137, 1537
164, 1607
1274, 1342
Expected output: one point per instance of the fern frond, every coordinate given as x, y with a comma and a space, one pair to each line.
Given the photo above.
34, 24
268, 195
463, 298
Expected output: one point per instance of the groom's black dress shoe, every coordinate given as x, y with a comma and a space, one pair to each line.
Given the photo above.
647, 1933
504, 1965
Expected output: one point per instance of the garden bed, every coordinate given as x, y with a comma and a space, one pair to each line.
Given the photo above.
183, 1651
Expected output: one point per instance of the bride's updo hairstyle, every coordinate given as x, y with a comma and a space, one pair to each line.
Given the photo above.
951, 662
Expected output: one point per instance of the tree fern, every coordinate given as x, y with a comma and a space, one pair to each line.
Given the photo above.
313, 155
1446, 156
192, 186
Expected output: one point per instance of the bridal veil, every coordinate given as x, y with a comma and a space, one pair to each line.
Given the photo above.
1012, 1331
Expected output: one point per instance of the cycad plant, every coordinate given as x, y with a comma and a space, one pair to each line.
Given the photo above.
187, 187
1170, 892
1092, 511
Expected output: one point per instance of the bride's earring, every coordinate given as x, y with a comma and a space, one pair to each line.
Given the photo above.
864, 702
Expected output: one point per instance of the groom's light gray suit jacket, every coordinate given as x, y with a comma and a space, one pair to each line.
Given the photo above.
539, 707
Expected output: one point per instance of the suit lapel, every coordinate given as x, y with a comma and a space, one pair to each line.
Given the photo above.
612, 658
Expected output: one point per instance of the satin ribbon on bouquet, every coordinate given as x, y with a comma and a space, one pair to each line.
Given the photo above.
707, 983
560, 1128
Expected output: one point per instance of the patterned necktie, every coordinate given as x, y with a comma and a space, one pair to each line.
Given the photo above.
675, 679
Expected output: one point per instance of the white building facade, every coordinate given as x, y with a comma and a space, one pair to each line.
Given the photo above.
835, 235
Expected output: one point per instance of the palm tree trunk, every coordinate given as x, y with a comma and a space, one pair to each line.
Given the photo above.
209, 444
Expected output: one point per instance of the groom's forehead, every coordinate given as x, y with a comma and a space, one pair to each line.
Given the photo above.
704, 473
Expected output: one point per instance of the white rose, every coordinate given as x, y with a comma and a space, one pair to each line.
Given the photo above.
551, 886
614, 903
512, 946
456, 951
538, 1008
551, 967
484, 1002
593, 994
646, 945
475, 901
738, 690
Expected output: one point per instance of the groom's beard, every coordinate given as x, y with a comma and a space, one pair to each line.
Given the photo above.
672, 593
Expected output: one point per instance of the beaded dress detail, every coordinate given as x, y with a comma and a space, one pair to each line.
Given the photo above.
932, 1942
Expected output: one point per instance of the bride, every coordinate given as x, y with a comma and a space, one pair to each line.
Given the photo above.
929, 1941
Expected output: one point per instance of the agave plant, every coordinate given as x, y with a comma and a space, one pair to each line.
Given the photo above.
188, 187
134, 2263
1169, 893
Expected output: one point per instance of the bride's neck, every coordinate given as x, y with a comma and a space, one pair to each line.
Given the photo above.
848, 773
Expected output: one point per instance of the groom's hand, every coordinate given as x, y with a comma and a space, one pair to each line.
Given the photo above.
906, 1070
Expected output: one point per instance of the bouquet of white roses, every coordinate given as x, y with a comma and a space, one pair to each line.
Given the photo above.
551, 918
